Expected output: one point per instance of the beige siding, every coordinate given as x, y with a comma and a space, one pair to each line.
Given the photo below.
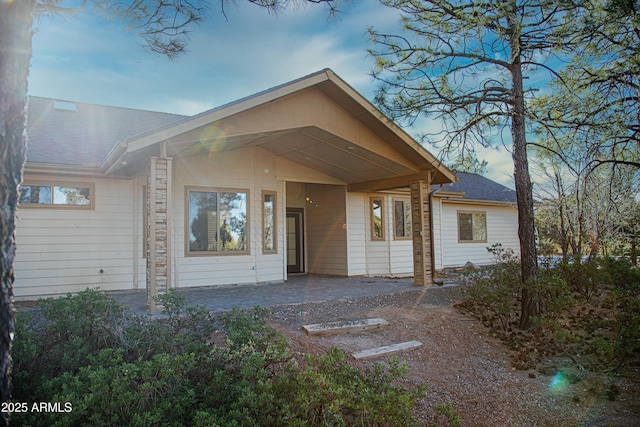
63, 250
502, 227
255, 170
251, 170
326, 230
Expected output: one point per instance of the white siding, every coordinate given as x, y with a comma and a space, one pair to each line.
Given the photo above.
378, 251
63, 250
357, 233
391, 256
436, 211
255, 170
251, 170
502, 227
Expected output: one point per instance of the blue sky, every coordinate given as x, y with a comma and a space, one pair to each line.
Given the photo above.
88, 59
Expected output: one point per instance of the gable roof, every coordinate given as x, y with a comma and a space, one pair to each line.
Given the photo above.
474, 187
317, 121
80, 134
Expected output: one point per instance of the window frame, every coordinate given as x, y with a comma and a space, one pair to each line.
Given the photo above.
52, 184
409, 232
217, 190
372, 217
274, 250
472, 213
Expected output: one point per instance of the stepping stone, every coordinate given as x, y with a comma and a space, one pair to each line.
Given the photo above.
334, 328
387, 350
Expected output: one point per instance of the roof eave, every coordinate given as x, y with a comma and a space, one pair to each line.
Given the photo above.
480, 202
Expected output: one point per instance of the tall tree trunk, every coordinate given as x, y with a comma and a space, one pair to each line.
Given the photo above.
15, 54
524, 190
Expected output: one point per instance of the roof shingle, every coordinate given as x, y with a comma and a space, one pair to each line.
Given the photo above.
84, 137
477, 187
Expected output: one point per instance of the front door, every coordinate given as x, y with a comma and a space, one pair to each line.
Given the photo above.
295, 241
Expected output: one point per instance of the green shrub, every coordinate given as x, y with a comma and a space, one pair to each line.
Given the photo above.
116, 368
585, 277
496, 288
332, 393
552, 294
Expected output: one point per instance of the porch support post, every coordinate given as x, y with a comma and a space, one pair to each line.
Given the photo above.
159, 188
422, 235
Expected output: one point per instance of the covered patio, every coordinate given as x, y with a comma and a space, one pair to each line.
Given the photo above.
298, 289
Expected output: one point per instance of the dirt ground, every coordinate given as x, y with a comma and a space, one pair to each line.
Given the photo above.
461, 363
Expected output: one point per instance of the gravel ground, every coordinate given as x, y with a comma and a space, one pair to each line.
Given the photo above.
459, 362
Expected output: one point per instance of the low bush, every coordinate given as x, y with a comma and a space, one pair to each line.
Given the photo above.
588, 310
189, 369
584, 277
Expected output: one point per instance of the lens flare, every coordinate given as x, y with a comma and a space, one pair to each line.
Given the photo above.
213, 139
558, 382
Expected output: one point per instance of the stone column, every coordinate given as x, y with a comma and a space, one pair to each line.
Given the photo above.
158, 233
422, 235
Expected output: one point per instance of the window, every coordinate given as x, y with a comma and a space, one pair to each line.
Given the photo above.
402, 218
472, 226
59, 196
377, 219
269, 222
217, 221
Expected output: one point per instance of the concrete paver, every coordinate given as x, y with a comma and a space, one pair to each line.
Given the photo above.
296, 290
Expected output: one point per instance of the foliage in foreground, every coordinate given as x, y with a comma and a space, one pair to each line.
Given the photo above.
590, 310
189, 369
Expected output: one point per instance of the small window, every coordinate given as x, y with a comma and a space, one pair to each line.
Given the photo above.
58, 196
377, 218
472, 226
217, 221
269, 222
402, 218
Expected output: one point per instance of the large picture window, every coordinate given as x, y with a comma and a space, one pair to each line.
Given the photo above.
217, 221
269, 235
472, 226
402, 218
62, 195
377, 218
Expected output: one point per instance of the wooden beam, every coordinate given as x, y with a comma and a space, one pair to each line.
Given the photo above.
386, 350
401, 181
335, 328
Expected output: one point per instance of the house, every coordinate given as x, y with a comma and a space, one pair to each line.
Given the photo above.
306, 177
469, 216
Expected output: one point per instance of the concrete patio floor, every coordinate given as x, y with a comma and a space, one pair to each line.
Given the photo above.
296, 290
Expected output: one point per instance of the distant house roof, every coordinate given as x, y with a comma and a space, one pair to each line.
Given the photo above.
472, 186
78, 134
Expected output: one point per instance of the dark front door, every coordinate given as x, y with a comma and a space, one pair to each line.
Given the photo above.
295, 241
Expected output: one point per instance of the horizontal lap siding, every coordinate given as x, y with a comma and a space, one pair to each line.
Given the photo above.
326, 234
244, 169
378, 251
63, 250
402, 258
437, 232
502, 227
391, 256
357, 208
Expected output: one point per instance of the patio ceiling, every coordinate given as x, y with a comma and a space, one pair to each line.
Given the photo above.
309, 146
